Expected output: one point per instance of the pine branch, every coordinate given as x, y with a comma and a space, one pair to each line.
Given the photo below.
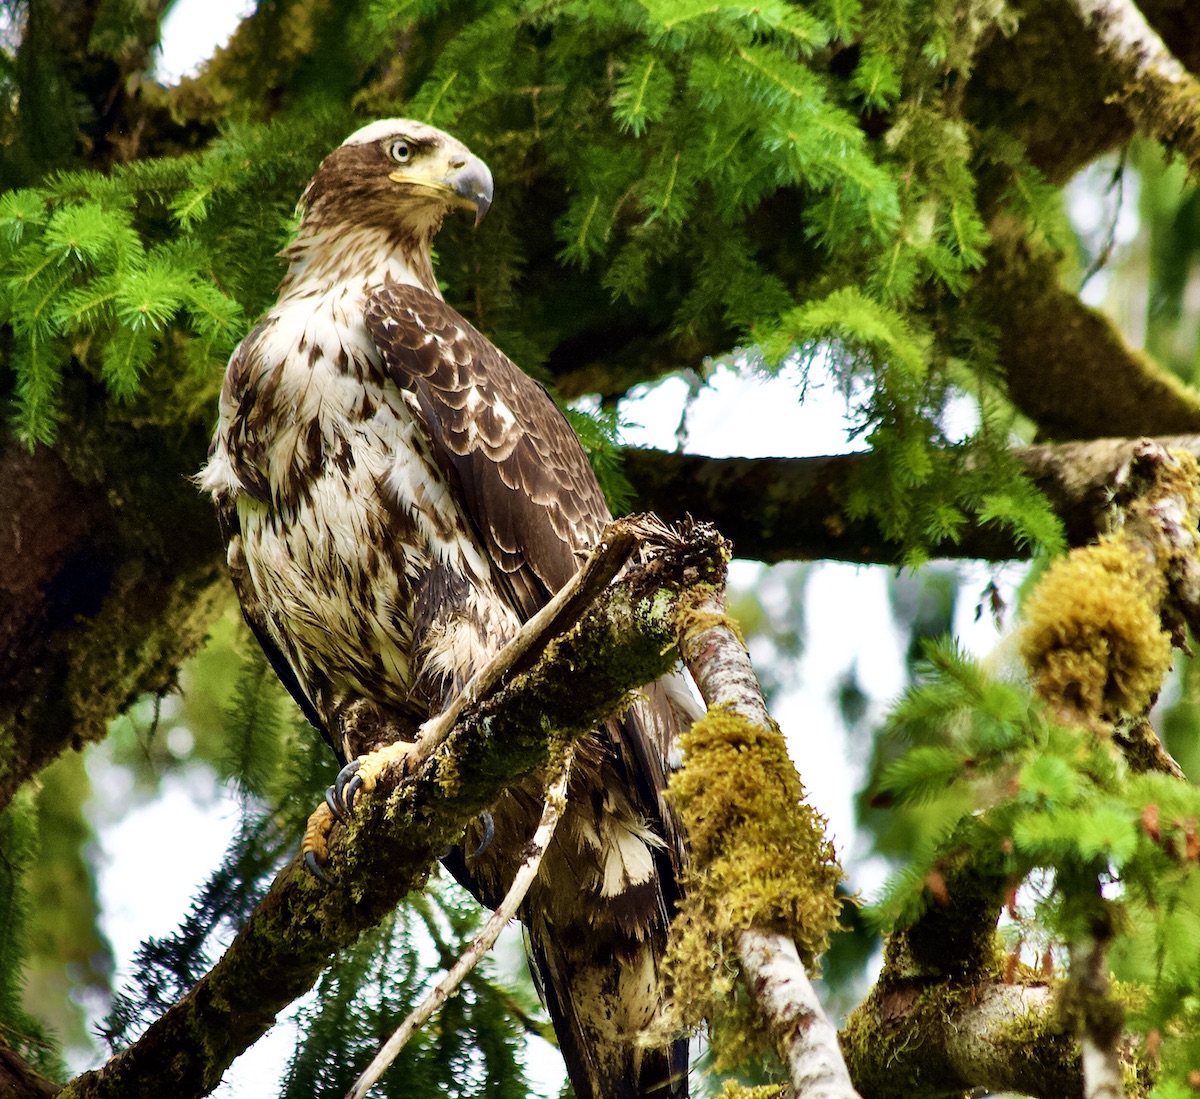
1158, 91
624, 640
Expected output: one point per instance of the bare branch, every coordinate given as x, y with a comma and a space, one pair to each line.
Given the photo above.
786, 996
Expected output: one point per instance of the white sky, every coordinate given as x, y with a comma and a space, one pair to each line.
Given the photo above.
153, 856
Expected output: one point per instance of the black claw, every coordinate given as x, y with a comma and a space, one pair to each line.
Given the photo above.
314, 867
351, 792
489, 834
331, 799
343, 789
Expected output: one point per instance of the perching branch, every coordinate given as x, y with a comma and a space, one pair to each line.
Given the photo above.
771, 965
625, 639
1158, 91
556, 800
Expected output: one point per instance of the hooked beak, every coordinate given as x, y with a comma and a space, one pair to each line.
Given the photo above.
467, 183
473, 185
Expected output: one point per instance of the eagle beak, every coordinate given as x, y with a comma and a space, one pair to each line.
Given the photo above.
471, 181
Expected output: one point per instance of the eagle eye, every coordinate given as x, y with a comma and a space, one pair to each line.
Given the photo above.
400, 150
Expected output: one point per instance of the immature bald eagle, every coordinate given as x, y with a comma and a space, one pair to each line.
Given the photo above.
398, 498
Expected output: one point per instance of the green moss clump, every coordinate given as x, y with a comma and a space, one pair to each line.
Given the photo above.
1093, 639
759, 858
733, 1090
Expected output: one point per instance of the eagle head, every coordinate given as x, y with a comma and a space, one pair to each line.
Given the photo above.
398, 175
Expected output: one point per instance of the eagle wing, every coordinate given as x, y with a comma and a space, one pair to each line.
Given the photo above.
530, 493
526, 483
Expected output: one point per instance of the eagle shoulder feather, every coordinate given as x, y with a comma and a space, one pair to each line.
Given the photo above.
525, 480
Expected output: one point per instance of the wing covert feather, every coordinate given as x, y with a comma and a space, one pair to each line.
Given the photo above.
526, 481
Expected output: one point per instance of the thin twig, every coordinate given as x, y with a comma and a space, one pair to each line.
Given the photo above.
607, 558
556, 799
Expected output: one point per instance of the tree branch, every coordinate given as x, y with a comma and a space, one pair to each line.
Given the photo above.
626, 639
945, 1037
779, 509
786, 996
1162, 96
770, 962
1067, 366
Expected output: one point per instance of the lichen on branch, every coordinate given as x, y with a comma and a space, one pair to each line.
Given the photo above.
759, 858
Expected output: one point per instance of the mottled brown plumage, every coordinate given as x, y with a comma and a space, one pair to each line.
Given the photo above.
398, 497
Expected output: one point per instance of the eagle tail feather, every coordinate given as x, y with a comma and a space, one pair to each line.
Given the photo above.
589, 988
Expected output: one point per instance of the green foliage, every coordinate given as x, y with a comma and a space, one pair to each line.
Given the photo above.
113, 270
18, 850
469, 1049
999, 784
707, 164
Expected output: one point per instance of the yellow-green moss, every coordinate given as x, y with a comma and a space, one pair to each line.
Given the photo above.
733, 1090
759, 858
1093, 640
692, 620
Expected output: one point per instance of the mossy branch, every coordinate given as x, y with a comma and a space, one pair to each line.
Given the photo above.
1067, 366
918, 1037
1160, 94
761, 880
625, 639
1101, 624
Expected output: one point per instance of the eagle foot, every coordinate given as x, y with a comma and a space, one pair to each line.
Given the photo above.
315, 845
359, 775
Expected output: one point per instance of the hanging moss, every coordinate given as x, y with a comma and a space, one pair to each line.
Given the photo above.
760, 859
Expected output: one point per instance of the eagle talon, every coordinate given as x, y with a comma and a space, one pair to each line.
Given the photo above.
314, 867
489, 834
315, 846
351, 792
344, 787
334, 805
